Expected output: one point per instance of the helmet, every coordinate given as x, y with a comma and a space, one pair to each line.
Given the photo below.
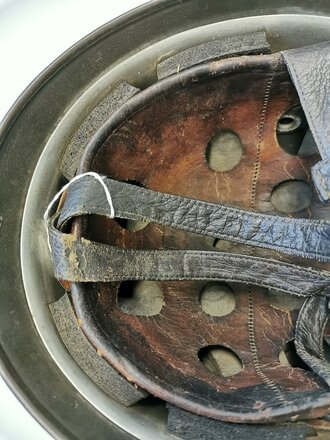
195, 240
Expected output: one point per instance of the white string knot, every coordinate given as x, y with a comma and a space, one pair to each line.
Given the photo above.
96, 176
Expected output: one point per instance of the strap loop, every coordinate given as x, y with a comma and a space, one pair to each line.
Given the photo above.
300, 237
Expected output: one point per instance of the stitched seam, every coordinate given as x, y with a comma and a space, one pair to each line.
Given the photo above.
251, 321
319, 256
200, 203
253, 347
207, 274
297, 270
281, 248
231, 209
303, 272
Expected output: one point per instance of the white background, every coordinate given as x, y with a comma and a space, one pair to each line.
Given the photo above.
32, 34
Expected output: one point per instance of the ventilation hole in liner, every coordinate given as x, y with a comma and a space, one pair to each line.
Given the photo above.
217, 299
224, 151
292, 196
140, 298
220, 360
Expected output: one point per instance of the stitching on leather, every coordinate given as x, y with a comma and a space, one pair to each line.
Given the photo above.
208, 274
256, 171
253, 347
261, 243
251, 322
281, 248
236, 211
321, 178
317, 360
267, 263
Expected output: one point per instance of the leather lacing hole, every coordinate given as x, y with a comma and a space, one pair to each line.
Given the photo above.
288, 357
224, 151
220, 360
291, 130
217, 299
140, 298
291, 196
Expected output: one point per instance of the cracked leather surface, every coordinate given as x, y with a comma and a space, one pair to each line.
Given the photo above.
305, 238
81, 260
309, 68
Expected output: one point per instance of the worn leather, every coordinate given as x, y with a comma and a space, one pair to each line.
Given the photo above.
300, 237
321, 176
250, 404
309, 68
80, 260
311, 323
193, 427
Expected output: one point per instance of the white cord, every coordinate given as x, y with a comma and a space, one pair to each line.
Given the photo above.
98, 177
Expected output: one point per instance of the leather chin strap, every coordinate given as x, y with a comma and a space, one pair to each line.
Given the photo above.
80, 260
